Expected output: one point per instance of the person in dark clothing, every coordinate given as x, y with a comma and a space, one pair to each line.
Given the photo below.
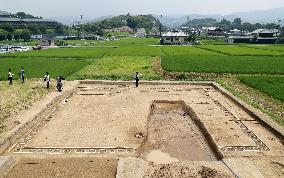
22, 74
10, 77
59, 85
136, 79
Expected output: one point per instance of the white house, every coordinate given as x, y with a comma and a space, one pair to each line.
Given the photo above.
175, 37
141, 33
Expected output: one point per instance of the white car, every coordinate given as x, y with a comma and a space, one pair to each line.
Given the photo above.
3, 51
22, 49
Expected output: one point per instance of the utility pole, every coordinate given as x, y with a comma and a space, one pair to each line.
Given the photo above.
161, 40
78, 27
81, 18
161, 26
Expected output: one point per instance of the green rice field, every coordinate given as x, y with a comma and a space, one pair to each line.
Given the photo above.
234, 50
224, 64
37, 67
271, 85
63, 53
122, 68
135, 51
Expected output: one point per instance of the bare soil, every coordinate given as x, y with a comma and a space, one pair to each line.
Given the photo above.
64, 167
115, 121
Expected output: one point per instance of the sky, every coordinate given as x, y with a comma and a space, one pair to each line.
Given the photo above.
97, 8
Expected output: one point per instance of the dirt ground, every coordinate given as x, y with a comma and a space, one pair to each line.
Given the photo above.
64, 167
164, 124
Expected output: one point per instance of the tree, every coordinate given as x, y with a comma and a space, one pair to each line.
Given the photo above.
42, 29
271, 26
225, 24
34, 29
237, 23
50, 32
131, 23
282, 31
8, 27
59, 29
3, 35
247, 27
17, 34
23, 34
21, 15
9, 36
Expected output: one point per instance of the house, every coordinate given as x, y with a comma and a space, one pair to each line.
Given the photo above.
215, 31
174, 37
46, 41
141, 33
266, 36
239, 39
236, 32
265, 33
120, 29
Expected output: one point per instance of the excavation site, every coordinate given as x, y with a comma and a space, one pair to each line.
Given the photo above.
159, 129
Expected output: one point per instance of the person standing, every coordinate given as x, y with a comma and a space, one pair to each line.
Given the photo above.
59, 83
10, 77
22, 74
47, 80
136, 79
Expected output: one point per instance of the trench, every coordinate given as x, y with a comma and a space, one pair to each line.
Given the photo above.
175, 134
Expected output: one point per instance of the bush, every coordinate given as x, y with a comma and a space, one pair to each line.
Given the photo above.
60, 43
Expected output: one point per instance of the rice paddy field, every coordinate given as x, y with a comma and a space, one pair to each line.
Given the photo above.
63, 53
234, 50
135, 51
37, 67
118, 68
120, 59
273, 86
224, 64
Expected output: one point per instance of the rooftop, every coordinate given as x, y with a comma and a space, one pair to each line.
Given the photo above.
7, 19
175, 34
3, 13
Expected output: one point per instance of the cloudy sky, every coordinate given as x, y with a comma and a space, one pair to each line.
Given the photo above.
96, 8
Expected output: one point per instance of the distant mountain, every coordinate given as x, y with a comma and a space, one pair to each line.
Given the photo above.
177, 21
72, 20
260, 16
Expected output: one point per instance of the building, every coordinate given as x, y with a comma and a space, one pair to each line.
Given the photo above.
141, 33
236, 32
19, 23
260, 36
120, 29
46, 41
5, 14
174, 37
213, 31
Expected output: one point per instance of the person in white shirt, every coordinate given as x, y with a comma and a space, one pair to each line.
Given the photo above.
10, 77
47, 80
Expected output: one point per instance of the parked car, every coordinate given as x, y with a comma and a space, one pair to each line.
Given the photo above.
22, 49
37, 47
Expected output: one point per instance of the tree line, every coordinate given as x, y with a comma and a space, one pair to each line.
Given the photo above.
227, 25
133, 22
